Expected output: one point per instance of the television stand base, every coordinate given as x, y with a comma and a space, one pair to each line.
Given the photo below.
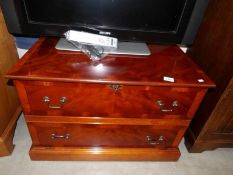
124, 48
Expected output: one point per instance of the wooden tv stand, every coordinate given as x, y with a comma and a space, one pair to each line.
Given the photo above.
119, 108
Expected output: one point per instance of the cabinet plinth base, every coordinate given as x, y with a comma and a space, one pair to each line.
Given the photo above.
104, 154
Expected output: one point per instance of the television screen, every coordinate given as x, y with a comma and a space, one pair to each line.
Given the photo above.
162, 16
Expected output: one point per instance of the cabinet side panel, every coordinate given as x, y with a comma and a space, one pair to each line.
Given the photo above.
8, 56
22, 96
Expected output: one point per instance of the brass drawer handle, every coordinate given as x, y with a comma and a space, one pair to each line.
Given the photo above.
65, 136
158, 141
115, 87
62, 101
161, 104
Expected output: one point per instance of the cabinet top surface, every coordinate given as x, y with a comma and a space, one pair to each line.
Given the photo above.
44, 62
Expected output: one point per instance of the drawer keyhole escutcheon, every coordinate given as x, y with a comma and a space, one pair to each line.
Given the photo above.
65, 136
115, 87
62, 101
153, 141
161, 104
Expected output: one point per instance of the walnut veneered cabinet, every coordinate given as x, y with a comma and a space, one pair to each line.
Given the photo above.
9, 104
119, 108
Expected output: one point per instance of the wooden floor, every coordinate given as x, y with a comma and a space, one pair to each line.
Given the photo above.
218, 162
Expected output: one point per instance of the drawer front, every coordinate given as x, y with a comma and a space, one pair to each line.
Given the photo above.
100, 100
104, 135
68, 99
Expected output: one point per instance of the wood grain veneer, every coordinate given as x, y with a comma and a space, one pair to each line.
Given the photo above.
128, 101
119, 108
43, 62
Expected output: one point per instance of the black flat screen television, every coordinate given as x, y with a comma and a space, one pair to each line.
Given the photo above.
151, 21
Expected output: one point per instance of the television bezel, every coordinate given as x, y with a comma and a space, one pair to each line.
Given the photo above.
18, 23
